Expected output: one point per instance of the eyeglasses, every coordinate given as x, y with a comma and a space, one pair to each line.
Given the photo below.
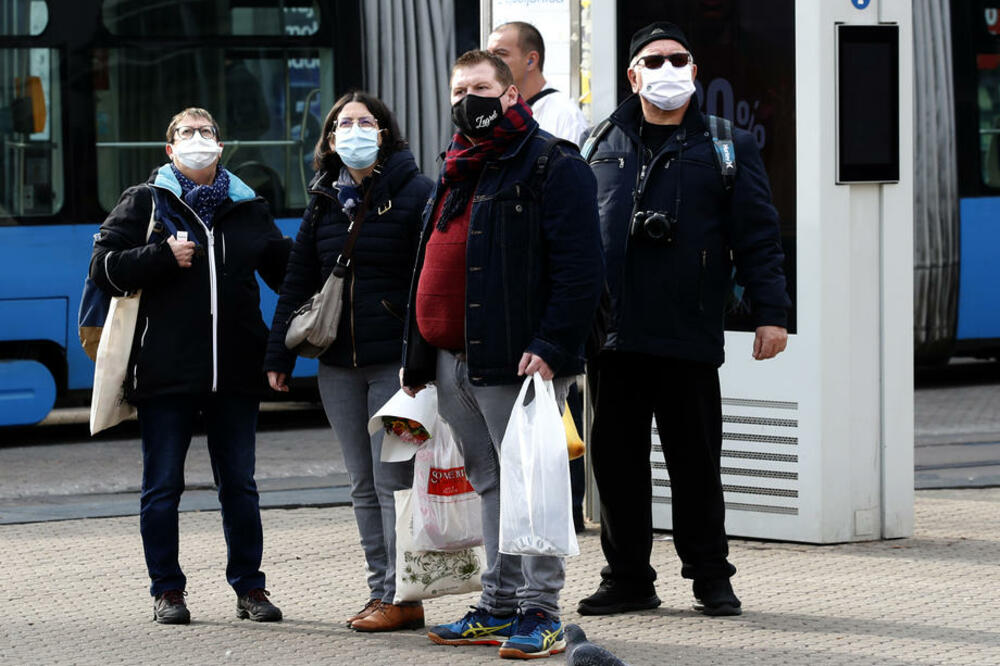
366, 122
656, 60
186, 132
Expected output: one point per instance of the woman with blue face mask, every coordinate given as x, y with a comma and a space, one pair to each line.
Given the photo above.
364, 175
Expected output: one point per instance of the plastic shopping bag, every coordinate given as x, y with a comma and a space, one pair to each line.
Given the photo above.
408, 422
536, 516
422, 574
447, 515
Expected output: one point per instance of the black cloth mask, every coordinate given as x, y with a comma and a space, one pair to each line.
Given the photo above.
476, 116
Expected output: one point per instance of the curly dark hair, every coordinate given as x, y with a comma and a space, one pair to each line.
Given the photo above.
325, 159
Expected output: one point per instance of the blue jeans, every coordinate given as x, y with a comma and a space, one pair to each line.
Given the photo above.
167, 424
350, 397
478, 417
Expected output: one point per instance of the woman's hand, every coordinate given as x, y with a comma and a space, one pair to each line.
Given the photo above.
183, 251
277, 380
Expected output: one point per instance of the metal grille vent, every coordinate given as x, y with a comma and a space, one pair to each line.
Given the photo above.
761, 461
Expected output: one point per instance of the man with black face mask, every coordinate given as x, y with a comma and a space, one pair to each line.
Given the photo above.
673, 229
507, 281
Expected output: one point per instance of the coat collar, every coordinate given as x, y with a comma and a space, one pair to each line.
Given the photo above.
628, 115
238, 190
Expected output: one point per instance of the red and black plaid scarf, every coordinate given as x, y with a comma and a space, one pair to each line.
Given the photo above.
464, 160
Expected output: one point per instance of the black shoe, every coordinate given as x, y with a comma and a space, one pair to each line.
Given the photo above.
715, 596
254, 606
611, 598
169, 608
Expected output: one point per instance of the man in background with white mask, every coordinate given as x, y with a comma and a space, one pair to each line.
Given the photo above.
675, 221
191, 239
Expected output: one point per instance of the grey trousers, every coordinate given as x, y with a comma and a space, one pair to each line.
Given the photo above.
350, 397
478, 416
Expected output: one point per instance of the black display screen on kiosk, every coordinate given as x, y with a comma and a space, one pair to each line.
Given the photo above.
868, 103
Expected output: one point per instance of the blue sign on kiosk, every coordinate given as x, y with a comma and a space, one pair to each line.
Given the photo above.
861, 4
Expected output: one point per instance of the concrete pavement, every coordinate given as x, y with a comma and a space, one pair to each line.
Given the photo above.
75, 592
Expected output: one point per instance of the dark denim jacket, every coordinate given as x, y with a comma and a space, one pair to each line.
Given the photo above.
534, 267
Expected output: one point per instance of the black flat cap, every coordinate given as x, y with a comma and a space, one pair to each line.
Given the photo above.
654, 32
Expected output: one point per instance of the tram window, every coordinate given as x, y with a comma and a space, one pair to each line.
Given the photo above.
267, 103
23, 17
989, 118
31, 162
211, 18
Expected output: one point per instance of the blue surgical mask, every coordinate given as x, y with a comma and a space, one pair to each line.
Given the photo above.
357, 146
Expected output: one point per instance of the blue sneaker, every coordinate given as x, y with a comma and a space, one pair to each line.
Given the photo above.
538, 635
478, 627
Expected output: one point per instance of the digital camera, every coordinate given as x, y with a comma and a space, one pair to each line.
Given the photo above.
653, 227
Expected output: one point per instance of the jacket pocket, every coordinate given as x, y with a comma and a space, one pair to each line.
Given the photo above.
393, 309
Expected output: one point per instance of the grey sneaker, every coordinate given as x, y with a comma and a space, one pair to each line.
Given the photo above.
169, 608
254, 606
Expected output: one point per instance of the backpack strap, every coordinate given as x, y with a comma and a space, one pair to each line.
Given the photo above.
537, 178
595, 137
721, 130
539, 95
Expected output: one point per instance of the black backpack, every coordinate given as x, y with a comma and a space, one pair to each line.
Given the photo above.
720, 129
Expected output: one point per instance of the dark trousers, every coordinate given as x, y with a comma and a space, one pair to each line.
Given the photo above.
686, 400
167, 424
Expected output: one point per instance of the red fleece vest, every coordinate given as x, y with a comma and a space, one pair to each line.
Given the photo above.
441, 289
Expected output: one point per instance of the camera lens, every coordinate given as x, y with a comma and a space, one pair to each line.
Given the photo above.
657, 227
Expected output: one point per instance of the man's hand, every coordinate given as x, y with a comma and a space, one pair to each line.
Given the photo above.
531, 363
769, 342
277, 380
411, 391
183, 251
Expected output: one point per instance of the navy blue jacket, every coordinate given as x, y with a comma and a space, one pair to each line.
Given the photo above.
670, 300
534, 267
200, 328
371, 323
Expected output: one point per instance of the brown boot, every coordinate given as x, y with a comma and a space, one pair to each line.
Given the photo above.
365, 612
390, 617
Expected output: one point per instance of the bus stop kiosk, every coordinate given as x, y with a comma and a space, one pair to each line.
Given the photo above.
818, 443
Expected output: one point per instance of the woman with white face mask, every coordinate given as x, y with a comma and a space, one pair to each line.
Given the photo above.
364, 176
191, 239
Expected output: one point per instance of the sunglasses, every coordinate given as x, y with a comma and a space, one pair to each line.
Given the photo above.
655, 60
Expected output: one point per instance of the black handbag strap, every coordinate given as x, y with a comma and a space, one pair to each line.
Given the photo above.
344, 260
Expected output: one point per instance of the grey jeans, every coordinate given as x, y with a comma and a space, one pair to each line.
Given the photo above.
478, 416
350, 397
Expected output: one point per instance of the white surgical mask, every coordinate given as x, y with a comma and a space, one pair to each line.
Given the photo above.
357, 146
197, 152
668, 87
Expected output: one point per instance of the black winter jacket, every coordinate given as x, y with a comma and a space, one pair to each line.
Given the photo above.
533, 266
670, 300
371, 323
199, 328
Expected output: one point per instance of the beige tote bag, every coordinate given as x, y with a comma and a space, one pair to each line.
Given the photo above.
107, 403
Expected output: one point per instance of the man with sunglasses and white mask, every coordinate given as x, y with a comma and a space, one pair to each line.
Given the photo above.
673, 229
191, 238
507, 280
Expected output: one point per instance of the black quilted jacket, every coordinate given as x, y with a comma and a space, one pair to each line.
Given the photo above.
371, 325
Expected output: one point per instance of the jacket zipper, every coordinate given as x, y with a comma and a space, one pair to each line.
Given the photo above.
213, 294
701, 281
620, 160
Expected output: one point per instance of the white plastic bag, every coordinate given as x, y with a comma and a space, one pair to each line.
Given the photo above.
107, 402
536, 516
448, 515
424, 574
